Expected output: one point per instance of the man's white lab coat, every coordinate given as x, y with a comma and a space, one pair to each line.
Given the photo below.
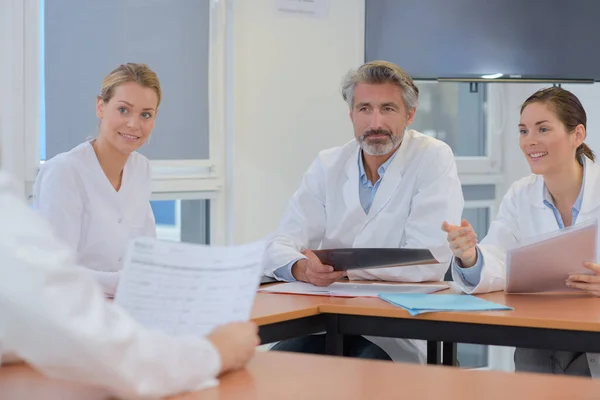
419, 191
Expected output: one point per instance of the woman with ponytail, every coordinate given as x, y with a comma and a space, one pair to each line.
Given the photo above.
564, 189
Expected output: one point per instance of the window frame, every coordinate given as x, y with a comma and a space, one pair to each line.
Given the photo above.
492, 162
170, 178
19, 120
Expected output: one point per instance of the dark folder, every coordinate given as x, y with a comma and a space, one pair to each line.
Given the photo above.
345, 259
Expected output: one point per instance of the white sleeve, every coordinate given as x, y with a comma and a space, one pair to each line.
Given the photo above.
303, 224
55, 317
108, 280
503, 234
437, 198
57, 198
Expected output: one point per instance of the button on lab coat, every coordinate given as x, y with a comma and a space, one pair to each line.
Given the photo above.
54, 316
523, 215
419, 190
75, 196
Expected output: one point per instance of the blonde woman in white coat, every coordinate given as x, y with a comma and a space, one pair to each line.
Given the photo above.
97, 196
563, 190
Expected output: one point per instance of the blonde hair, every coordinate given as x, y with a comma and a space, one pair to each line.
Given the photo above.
130, 72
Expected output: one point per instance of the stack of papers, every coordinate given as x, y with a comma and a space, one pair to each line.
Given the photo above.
417, 304
342, 289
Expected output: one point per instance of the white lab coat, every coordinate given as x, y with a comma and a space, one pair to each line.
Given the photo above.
54, 316
419, 190
75, 196
523, 215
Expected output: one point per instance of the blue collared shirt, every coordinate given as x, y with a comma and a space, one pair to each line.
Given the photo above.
473, 275
366, 193
366, 189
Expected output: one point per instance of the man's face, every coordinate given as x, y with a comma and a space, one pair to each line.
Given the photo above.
379, 117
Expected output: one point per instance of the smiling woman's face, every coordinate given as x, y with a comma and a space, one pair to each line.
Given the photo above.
544, 140
127, 119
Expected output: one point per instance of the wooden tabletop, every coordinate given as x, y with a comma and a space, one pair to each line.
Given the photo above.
578, 312
279, 375
570, 311
272, 308
20, 382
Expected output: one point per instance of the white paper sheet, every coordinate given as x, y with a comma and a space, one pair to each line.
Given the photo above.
343, 289
183, 288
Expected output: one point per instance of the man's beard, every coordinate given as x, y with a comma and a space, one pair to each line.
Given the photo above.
379, 146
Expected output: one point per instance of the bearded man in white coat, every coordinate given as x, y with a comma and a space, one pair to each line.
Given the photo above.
387, 188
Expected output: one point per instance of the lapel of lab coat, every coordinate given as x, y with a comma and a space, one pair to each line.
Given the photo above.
387, 188
591, 192
350, 190
589, 206
542, 216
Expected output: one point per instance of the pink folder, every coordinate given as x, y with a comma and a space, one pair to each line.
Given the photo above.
545, 265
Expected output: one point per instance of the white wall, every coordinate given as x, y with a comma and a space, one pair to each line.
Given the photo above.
287, 104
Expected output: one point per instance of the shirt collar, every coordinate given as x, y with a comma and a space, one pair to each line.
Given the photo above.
577, 206
381, 170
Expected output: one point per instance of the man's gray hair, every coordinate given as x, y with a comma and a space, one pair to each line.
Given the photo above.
378, 72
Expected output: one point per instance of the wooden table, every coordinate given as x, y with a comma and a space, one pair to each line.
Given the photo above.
285, 317
545, 321
553, 322
279, 375
281, 317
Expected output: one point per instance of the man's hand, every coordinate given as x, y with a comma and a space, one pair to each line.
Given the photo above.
311, 270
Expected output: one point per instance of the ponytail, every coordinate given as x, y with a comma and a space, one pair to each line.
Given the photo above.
584, 150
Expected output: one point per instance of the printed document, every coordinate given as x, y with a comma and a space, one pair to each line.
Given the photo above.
183, 288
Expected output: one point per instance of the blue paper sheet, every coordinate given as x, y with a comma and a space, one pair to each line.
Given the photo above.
419, 303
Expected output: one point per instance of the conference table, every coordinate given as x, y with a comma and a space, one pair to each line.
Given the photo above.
279, 375
545, 321
542, 321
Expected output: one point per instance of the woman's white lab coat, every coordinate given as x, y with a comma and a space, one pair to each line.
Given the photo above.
54, 316
75, 196
420, 190
523, 215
